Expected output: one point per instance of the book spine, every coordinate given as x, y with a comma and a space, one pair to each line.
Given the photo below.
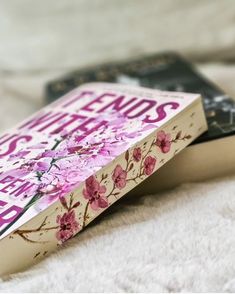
68, 216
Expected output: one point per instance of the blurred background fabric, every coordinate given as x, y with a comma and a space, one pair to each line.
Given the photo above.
44, 39
41, 40
52, 35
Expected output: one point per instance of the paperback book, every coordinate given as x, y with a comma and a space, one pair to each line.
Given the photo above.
65, 165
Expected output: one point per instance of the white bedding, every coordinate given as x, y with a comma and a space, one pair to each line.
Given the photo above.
177, 241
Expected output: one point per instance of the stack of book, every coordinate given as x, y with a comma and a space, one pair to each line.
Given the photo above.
212, 154
68, 163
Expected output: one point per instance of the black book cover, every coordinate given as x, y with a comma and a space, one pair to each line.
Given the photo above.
167, 71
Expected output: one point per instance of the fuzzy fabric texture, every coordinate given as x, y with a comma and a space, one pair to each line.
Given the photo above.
61, 34
181, 240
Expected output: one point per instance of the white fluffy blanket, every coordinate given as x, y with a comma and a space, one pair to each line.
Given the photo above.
182, 240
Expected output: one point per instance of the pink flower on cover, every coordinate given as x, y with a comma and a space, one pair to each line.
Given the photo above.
52, 154
119, 177
73, 176
163, 141
137, 154
19, 155
149, 165
94, 192
68, 226
42, 166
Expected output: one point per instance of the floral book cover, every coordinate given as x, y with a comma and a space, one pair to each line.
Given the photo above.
66, 164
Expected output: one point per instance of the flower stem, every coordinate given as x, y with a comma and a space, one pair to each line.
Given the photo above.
41, 228
85, 215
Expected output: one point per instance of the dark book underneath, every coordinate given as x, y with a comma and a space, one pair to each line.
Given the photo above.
167, 71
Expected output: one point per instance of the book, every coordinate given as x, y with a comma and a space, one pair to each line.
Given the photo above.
164, 71
171, 72
65, 165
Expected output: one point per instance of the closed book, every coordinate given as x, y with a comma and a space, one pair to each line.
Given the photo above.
68, 163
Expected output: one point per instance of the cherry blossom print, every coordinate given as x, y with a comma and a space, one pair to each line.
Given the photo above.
149, 165
42, 166
68, 226
94, 192
73, 176
19, 155
81, 156
163, 141
119, 177
137, 154
53, 164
